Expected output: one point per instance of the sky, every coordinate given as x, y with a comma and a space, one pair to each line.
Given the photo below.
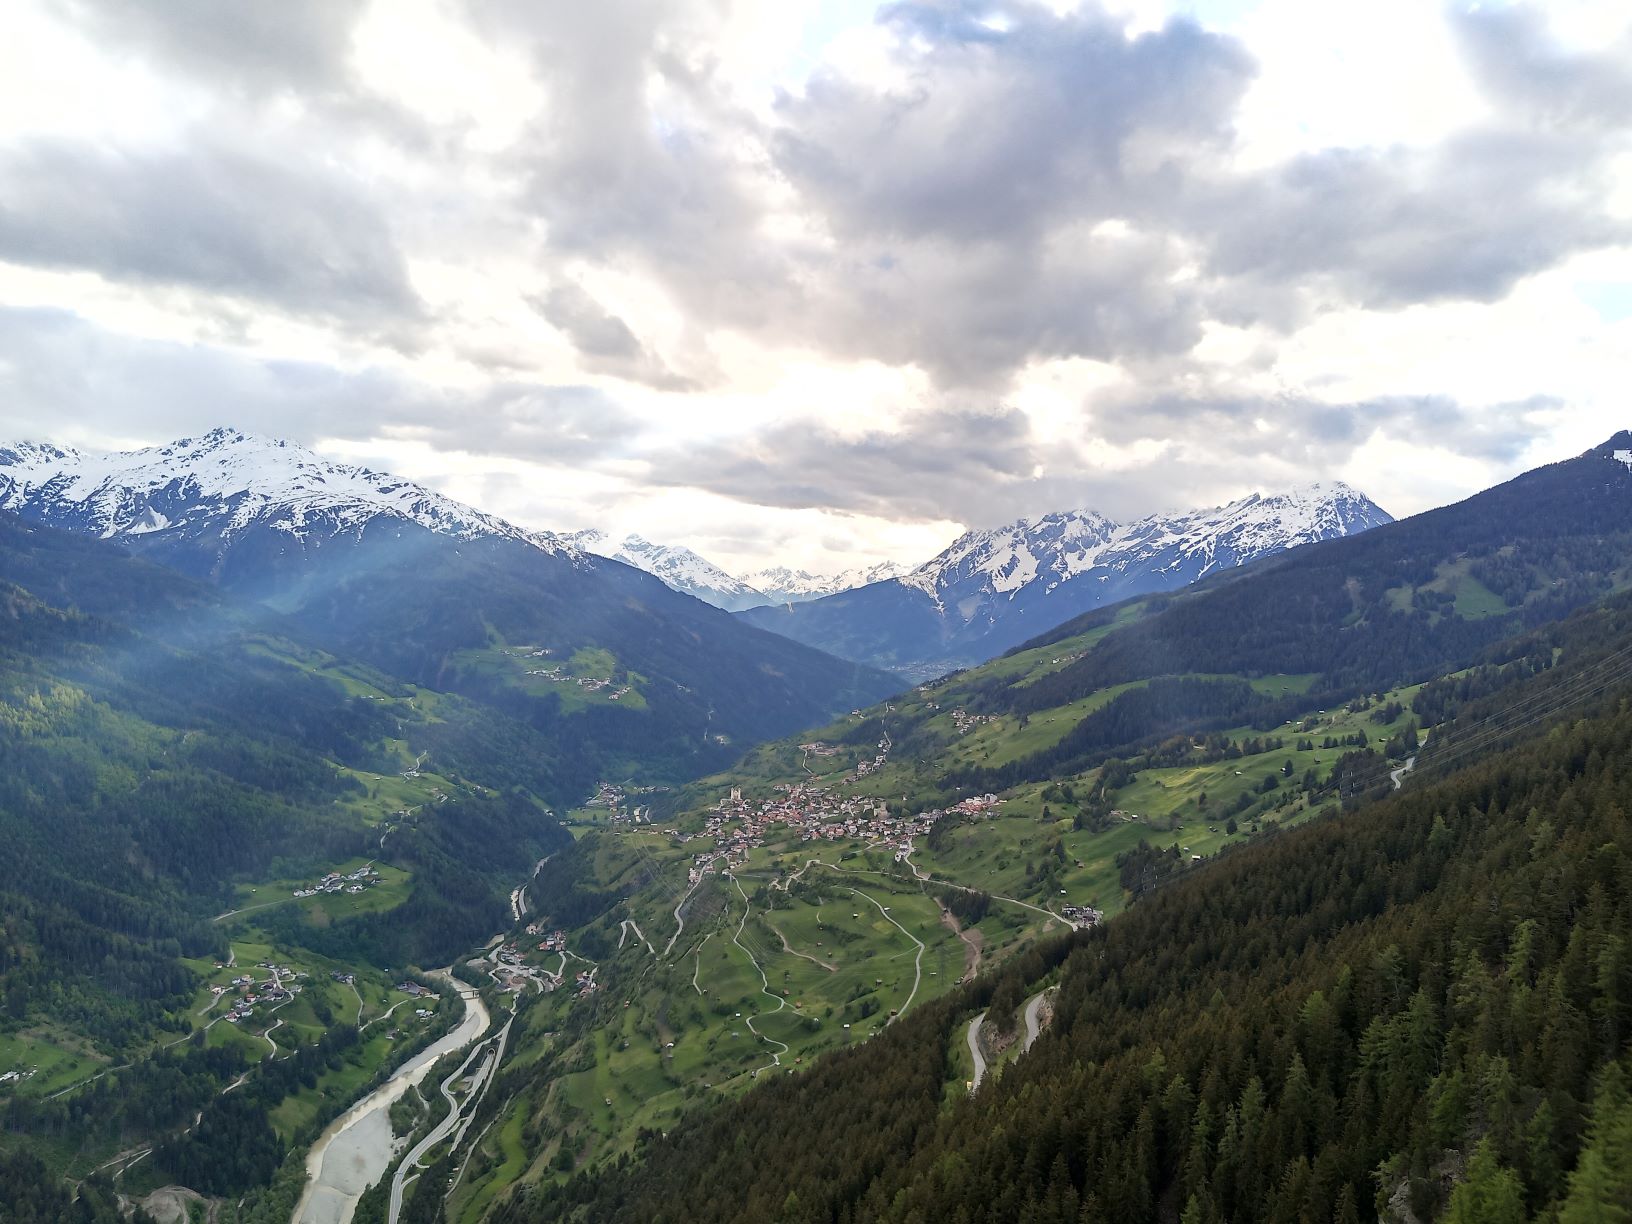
824, 284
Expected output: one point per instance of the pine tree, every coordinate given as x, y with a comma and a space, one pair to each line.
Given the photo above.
1491, 1194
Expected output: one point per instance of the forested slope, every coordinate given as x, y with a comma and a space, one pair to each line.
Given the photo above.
1400, 600
166, 745
1424, 1006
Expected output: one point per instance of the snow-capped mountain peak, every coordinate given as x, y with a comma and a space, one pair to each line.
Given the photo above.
994, 588
224, 483
1053, 549
784, 585
676, 565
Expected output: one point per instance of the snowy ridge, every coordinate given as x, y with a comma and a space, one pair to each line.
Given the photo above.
1057, 548
694, 574
676, 566
226, 482
783, 585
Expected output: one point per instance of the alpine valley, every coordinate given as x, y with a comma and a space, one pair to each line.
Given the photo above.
1269, 862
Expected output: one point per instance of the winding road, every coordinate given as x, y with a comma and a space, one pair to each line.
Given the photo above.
1033, 1018
793, 951
765, 987
973, 1038
457, 1116
1397, 776
680, 923
917, 961
355, 1151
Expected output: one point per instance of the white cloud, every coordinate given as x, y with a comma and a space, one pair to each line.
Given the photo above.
791, 286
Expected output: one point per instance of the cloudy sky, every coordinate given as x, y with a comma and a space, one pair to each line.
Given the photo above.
825, 281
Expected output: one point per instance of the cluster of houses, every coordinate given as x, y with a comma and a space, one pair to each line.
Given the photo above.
807, 814
408, 987
553, 941
590, 684
966, 722
613, 798
864, 768
608, 795
511, 971
1080, 915
18, 1075
352, 882
279, 988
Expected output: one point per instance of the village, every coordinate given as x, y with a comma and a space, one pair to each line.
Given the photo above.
590, 684
280, 986
353, 882
507, 965
611, 796
810, 814
806, 811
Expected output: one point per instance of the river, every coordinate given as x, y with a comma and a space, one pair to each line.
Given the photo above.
355, 1151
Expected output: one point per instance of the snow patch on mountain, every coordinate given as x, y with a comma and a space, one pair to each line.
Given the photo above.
783, 585
1055, 549
675, 565
226, 482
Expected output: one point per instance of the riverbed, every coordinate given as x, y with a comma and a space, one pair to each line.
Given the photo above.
356, 1149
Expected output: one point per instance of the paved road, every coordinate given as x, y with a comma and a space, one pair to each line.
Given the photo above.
974, 1049
437, 1133
355, 1151
1033, 1019
1397, 776
793, 951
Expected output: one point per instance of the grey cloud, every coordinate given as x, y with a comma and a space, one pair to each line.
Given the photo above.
289, 46
210, 219
967, 200
972, 313
939, 466
1000, 135
1240, 429
1464, 219
1389, 228
673, 187
1531, 78
58, 373
604, 340
968, 204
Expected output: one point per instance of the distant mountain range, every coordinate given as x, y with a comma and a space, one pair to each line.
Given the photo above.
781, 585
993, 589
677, 566
271, 520
685, 570
388, 572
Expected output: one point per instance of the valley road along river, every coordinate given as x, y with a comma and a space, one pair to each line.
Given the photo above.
356, 1149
